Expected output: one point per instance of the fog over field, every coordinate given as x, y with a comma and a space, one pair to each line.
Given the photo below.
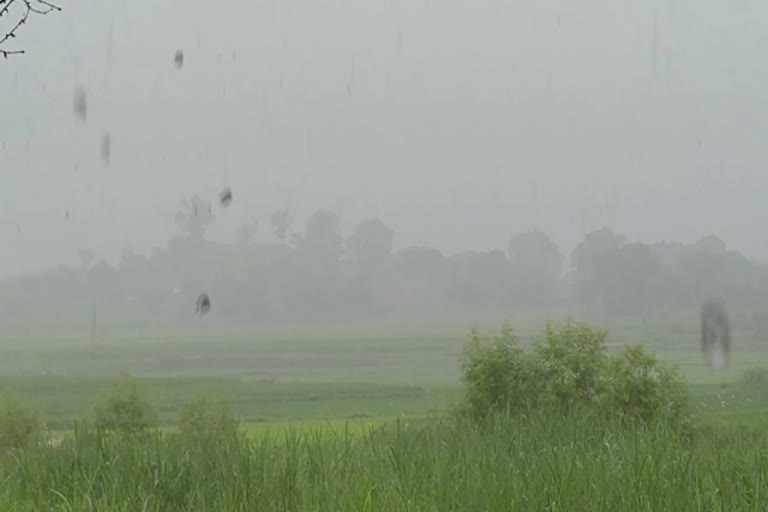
456, 123
322, 255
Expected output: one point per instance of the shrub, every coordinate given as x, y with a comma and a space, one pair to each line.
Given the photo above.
495, 373
570, 365
567, 369
126, 412
639, 387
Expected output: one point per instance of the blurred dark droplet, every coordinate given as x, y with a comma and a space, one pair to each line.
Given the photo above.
66, 214
179, 59
203, 304
225, 197
18, 229
715, 333
80, 103
106, 148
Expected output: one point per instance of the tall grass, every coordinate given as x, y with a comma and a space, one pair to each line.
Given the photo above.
540, 462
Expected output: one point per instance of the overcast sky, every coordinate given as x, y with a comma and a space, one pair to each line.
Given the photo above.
457, 123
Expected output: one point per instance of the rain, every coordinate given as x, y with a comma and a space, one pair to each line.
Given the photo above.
178, 59
458, 227
80, 103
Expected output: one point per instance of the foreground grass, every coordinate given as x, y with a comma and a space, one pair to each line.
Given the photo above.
539, 463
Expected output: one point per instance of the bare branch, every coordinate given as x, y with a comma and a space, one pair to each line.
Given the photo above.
41, 7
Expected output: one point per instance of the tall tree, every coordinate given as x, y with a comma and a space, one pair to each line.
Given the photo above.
371, 244
596, 245
322, 240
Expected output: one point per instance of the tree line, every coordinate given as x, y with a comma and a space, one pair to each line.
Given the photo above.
317, 273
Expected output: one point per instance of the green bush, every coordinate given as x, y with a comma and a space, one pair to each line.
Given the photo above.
569, 365
495, 371
126, 412
639, 387
568, 369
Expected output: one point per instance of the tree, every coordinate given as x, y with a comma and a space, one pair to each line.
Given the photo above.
480, 277
19, 11
420, 263
281, 223
628, 279
322, 240
710, 244
194, 215
371, 244
595, 245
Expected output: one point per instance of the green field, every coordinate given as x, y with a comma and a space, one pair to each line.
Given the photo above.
356, 420
276, 377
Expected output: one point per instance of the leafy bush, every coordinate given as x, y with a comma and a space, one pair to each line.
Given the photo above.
126, 412
639, 387
495, 372
18, 428
569, 365
567, 369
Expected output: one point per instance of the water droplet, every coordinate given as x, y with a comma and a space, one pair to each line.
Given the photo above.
203, 304
225, 197
106, 148
80, 103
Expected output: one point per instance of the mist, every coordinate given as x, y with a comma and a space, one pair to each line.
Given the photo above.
456, 124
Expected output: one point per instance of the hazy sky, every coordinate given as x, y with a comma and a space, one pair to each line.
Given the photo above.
458, 123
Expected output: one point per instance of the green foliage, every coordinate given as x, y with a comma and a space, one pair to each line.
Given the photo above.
126, 412
569, 370
639, 387
18, 428
495, 372
569, 365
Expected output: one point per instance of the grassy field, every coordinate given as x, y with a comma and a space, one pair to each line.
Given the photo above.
355, 420
305, 375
